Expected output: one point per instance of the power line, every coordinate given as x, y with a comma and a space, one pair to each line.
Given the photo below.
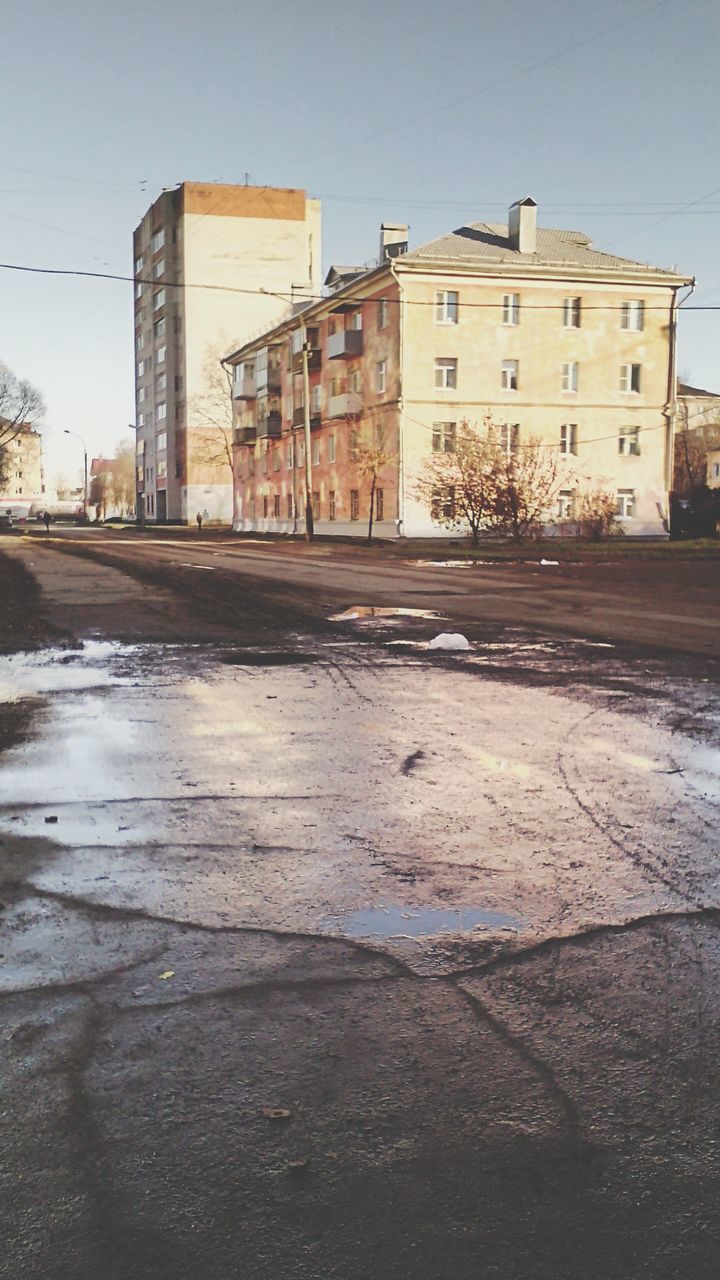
313, 298
68, 177
488, 88
543, 444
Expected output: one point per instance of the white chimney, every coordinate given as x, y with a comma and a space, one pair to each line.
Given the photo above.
393, 240
522, 225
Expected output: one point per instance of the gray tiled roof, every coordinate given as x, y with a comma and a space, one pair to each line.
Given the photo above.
480, 242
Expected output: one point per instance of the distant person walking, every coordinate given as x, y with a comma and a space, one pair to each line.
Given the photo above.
199, 518
46, 521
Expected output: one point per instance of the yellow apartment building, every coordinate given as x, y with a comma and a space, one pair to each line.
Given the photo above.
553, 339
24, 486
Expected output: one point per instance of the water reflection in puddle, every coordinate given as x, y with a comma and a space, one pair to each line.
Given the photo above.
415, 922
362, 612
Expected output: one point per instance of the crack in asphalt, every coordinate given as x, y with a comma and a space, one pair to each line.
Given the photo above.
82, 984
192, 797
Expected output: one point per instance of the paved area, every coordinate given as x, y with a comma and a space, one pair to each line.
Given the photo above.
326, 954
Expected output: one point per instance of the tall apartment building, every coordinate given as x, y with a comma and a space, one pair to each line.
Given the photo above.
551, 338
24, 487
213, 264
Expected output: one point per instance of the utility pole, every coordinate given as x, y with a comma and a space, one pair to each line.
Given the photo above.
85, 468
309, 520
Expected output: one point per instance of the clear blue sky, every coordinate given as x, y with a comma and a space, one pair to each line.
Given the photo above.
427, 113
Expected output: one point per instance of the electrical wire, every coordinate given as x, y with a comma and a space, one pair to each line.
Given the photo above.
543, 444
313, 298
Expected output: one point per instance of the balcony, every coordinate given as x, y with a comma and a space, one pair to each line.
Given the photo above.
346, 405
314, 361
299, 418
245, 435
245, 387
345, 344
269, 427
269, 381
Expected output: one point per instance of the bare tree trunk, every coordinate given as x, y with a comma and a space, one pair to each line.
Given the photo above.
372, 507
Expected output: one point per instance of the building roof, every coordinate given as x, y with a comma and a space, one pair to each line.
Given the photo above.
480, 242
684, 389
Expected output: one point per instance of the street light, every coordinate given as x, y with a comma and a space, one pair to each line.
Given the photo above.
77, 437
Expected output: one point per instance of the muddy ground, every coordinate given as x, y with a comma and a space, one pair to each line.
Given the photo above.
325, 954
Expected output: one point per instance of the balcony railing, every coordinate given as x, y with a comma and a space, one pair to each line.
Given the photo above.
346, 405
269, 427
245, 387
268, 381
299, 418
245, 435
314, 361
345, 344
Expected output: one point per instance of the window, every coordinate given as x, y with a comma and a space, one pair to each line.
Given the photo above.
158, 240
161, 442
331, 449
446, 375
331, 509
568, 437
276, 459
289, 506
138, 290
316, 398
139, 261
625, 507
159, 268
629, 441
509, 437
141, 394
380, 370
354, 504
511, 308
161, 382
355, 383
162, 410
571, 313
159, 328
316, 504
442, 503
139, 342
316, 453
161, 469
276, 506
159, 300
290, 458
630, 378
382, 315
140, 368
355, 320
509, 371
266, 506
446, 306
300, 453
141, 420
332, 327
632, 315
444, 437
565, 504
570, 376
160, 356
379, 504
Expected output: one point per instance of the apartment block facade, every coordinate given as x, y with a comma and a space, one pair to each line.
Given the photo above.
24, 488
213, 264
532, 328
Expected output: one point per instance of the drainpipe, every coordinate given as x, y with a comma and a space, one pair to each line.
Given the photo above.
670, 410
401, 430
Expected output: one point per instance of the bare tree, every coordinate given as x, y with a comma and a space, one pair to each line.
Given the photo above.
597, 515
212, 411
122, 477
371, 459
527, 480
488, 480
21, 405
697, 432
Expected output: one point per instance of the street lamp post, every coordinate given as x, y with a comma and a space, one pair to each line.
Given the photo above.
77, 437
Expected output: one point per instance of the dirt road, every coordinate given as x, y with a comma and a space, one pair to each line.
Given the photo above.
326, 954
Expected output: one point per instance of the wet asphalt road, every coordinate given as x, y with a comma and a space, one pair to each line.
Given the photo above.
331, 956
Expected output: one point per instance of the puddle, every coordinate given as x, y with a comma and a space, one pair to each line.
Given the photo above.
415, 922
62, 670
450, 564
359, 612
278, 658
